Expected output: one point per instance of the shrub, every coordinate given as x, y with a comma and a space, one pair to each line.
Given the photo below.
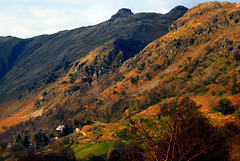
86, 80
134, 80
50, 78
236, 56
142, 66
123, 134
225, 107
148, 76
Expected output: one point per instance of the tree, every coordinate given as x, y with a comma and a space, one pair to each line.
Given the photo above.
51, 136
19, 139
25, 141
45, 140
185, 134
67, 130
38, 139
41, 140
191, 137
75, 123
225, 107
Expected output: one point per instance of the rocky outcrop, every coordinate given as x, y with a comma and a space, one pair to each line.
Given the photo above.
124, 12
213, 21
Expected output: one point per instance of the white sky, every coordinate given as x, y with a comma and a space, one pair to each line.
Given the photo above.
27, 18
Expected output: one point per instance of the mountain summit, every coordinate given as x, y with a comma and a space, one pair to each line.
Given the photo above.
124, 12
177, 12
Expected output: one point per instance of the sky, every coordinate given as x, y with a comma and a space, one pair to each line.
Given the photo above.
28, 18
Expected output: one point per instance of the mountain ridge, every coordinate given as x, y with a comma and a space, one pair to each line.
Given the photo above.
62, 48
47, 58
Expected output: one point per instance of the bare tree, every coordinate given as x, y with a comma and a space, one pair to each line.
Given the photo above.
184, 135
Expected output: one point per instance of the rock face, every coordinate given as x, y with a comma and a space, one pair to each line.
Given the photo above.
213, 21
124, 12
106, 59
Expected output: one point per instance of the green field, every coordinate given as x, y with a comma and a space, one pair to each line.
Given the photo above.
83, 151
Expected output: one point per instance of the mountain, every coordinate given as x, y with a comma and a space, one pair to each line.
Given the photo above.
30, 65
197, 58
26, 62
121, 88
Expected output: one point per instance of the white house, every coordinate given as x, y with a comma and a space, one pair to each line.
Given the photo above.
77, 130
60, 127
9, 145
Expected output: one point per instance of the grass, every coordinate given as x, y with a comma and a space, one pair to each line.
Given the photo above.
84, 150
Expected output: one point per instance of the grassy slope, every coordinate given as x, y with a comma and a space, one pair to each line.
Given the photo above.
83, 151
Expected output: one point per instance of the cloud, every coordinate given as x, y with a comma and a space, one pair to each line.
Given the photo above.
27, 18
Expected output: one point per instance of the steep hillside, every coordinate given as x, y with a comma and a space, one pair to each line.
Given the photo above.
40, 57
198, 58
200, 50
42, 60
